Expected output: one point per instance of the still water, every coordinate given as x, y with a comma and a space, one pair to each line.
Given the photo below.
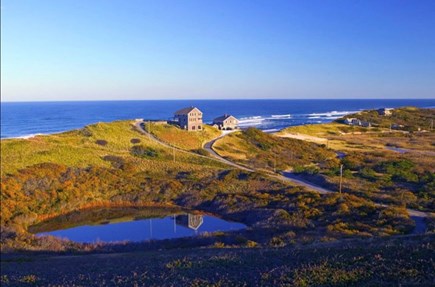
171, 226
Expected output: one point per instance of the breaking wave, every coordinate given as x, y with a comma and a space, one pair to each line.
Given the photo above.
28, 136
288, 116
335, 114
251, 121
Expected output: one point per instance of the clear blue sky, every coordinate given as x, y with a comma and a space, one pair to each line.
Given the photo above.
182, 49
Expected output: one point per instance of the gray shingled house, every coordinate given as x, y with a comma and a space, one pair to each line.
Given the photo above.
189, 119
226, 122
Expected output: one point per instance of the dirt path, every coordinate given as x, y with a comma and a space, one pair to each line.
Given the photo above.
417, 216
138, 125
208, 147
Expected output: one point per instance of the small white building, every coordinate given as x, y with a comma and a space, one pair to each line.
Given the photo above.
226, 122
385, 112
357, 122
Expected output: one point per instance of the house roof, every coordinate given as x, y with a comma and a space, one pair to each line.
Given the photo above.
185, 111
222, 118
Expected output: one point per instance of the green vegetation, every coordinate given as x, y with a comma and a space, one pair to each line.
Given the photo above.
141, 172
371, 169
411, 118
110, 170
387, 177
257, 149
83, 148
321, 130
46, 190
193, 141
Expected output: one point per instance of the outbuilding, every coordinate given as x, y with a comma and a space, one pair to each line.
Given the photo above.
226, 122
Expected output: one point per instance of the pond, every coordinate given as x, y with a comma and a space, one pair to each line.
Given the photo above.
132, 225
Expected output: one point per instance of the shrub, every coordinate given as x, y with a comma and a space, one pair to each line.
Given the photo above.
143, 151
251, 244
368, 173
309, 169
101, 142
116, 161
135, 141
86, 132
400, 170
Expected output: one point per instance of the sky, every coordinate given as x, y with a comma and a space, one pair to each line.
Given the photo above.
55, 50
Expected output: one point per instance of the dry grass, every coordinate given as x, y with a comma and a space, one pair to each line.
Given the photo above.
181, 138
80, 148
233, 147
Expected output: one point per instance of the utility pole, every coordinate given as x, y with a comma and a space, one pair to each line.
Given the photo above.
341, 177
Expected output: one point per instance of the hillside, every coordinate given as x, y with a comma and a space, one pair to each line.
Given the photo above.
111, 172
390, 166
112, 164
406, 118
192, 141
255, 148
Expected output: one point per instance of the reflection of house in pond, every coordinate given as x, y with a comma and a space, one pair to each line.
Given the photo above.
192, 221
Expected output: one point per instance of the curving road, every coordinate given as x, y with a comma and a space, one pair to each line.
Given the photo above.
417, 216
208, 147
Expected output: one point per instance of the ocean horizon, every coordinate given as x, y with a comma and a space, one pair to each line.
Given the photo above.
26, 119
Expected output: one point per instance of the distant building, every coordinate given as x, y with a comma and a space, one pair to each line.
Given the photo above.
189, 119
385, 112
348, 121
226, 122
365, 124
357, 122
192, 221
352, 121
397, 126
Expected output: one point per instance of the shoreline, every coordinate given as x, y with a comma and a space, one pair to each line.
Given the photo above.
273, 121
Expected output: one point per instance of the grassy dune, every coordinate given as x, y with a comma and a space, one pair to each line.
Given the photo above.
255, 148
88, 146
324, 130
371, 169
181, 138
84, 174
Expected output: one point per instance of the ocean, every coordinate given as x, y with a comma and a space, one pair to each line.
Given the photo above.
33, 118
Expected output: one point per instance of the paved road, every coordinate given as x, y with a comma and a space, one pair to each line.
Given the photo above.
208, 147
138, 125
417, 216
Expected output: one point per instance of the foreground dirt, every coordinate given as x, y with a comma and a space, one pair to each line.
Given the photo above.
378, 262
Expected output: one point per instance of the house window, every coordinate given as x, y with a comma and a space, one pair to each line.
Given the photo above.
199, 127
193, 127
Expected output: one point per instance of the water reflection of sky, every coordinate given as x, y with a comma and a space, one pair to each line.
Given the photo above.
146, 229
